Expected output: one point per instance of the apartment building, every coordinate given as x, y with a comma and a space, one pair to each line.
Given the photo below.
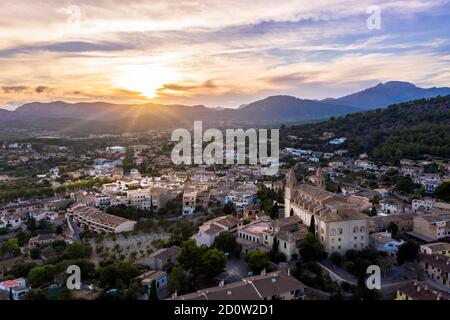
99, 221
146, 198
432, 227
418, 290
442, 248
437, 268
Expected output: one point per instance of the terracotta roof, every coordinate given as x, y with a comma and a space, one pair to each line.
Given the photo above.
418, 290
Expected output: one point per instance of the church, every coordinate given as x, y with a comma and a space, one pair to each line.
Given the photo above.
339, 222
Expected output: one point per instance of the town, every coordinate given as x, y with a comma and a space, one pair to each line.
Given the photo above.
140, 227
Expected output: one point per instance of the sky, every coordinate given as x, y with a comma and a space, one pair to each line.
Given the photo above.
216, 53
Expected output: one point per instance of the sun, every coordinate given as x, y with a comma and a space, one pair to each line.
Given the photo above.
145, 79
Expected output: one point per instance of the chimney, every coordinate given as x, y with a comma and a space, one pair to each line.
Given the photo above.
274, 280
229, 293
221, 283
425, 287
263, 272
289, 271
438, 296
418, 288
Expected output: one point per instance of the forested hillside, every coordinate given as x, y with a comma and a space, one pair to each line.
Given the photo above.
410, 129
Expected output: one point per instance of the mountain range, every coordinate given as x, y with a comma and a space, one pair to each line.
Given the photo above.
271, 110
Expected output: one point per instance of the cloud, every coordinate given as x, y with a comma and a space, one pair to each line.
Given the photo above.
41, 89
14, 89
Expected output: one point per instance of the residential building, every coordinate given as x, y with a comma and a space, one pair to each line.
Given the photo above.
437, 268
147, 198
160, 278
404, 221
418, 290
99, 221
288, 232
44, 239
383, 241
424, 205
189, 203
164, 258
211, 229
431, 227
441, 248
251, 234
270, 286
17, 288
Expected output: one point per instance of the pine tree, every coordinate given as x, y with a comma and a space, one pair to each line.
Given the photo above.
312, 226
153, 295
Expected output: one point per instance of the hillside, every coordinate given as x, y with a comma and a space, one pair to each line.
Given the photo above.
408, 129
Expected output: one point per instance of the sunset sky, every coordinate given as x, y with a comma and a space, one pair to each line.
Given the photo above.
216, 53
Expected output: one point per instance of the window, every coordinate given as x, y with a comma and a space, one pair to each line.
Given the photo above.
339, 230
285, 245
355, 229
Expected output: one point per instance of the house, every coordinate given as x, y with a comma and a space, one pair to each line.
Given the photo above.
17, 288
145, 199
418, 290
431, 227
251, 234
424, 205
160, 278
383, 241
12, 220
270, 286
164, 258
404, 221
252, 211
288, 232
211, 229
126, 184
44, 239
442, 248
437, 268
189, 203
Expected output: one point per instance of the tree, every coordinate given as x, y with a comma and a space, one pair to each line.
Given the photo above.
36, 294
117, 275
182, 231
153, 295
78, 250
311, 249
41, 275
257, 260
191, 256
336, 258
442, 192
393, 229
213, 264
226, 241
274, 211
179, 280
35, 253
405, 185
312, 226
407, 252
384, 263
